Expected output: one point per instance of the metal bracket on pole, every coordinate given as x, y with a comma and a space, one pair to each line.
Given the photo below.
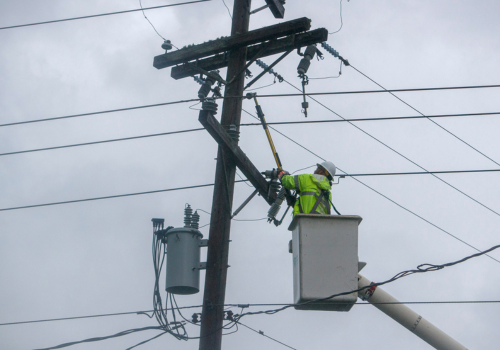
267, 69
244, 203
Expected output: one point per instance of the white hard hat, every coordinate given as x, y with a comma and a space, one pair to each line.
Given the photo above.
329, 167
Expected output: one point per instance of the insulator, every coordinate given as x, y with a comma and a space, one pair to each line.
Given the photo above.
303, 66
209, 105
167, 45
195, 220
233, 132
199, 80
188, 213
274, 185
205, 88
276, 206
306, 61
261, 64
330, 49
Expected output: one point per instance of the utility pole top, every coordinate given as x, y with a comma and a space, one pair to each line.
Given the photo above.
232, 42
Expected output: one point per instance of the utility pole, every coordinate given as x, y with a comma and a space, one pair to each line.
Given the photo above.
220, 221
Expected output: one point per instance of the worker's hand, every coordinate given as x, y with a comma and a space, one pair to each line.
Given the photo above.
282, 173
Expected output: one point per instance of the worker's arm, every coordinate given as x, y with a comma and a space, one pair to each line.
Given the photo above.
288, 182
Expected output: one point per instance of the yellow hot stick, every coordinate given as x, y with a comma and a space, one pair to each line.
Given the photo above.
268, 134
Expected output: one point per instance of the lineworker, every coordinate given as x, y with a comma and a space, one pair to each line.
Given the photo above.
313, 189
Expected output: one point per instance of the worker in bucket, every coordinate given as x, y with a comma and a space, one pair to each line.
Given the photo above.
313, 189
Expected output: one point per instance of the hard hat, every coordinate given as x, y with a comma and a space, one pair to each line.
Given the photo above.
329, 167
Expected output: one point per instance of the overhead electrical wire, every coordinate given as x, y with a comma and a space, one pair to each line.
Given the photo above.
272, 95
100, 142
101, 14
434, 122
402, 155
381, 194
422, 268
99, 112
244, 180
440, 302
245, 124
265, 335
374, 119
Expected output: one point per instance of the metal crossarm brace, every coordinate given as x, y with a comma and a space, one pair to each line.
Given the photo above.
267, 70
230, 43
277, 46
246, 166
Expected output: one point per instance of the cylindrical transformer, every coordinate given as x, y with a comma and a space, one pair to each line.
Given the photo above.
183, 260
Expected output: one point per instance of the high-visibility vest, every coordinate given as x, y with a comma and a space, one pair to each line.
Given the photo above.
314, 191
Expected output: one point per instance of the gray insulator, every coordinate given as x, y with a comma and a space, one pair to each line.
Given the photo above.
310, 52
303, 66
188, 213
209, 106
195, 220
233, 132
167, 45
261, 64
276, 206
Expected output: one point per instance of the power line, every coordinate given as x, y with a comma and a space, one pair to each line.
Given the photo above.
100, 142
275, 95
374, 91
101, 14
444, 302
265, 335
401, 155
381, 194
106, 197
437, 124
375, 119
100, 112
422, 268
245, 124
244, 180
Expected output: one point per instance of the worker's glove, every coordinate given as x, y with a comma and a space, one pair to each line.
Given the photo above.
290, 200
282, 173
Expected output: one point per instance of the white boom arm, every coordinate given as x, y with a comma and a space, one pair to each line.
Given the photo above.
407, 317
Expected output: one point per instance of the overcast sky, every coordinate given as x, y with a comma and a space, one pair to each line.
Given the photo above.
95, 257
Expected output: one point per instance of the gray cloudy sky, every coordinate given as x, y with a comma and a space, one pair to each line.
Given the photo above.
94, 257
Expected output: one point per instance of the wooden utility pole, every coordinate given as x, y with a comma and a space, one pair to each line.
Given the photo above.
220, 221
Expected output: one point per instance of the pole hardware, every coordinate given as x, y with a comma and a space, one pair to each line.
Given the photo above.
231, 43
273, 47
167, 45
276, 7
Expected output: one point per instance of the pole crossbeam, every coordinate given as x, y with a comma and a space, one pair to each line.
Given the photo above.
235, 41
264, 49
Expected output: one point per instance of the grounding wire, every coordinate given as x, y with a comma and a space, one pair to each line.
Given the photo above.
147, 19
381, 194
437, 124
401, 155
341, 21
229, 12
102, 14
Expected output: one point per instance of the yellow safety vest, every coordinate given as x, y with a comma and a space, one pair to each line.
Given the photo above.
314, 190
